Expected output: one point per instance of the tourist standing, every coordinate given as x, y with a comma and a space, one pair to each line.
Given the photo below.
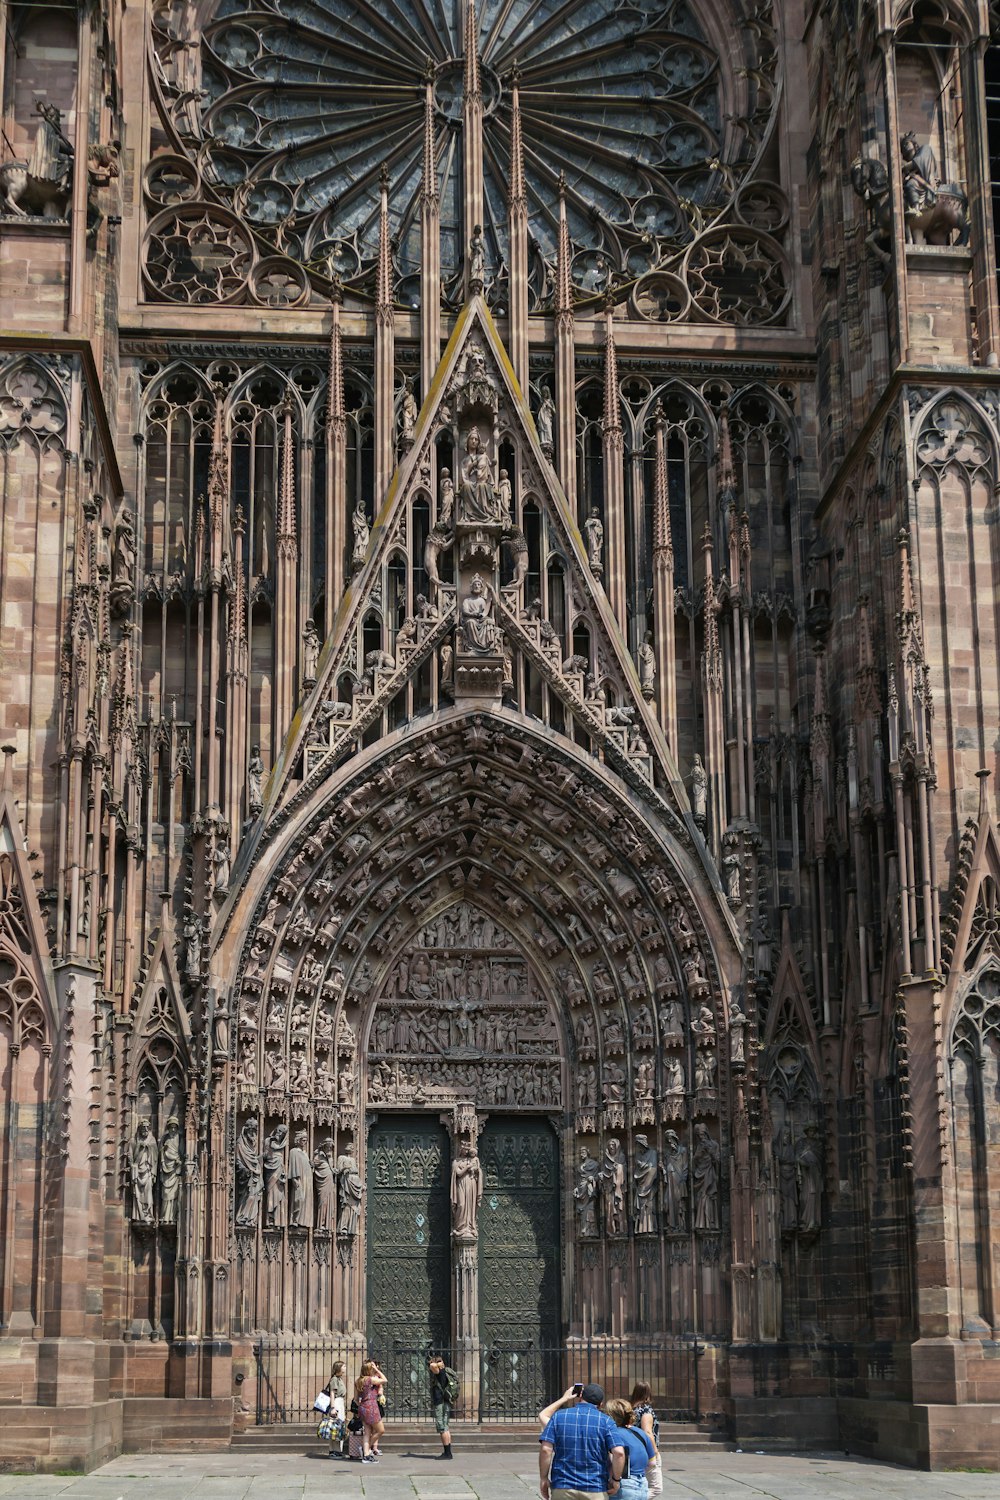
367, 1387
444, 1394
581, 1451
643, 1414
640, 1450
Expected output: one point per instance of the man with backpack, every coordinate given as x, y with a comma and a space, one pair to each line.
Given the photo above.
444, 1394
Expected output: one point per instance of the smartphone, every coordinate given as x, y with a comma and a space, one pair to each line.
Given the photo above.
578, 1388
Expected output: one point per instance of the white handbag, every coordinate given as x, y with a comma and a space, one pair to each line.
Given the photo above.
322, 1402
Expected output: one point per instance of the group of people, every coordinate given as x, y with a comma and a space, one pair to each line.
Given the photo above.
591, 1448
367, 1421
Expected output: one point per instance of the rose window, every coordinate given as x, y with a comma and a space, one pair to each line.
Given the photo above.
292, 109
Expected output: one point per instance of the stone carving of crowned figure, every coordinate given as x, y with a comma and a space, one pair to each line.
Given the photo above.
476, 492
480, 633
466, 1193
143, 1157
249, 1175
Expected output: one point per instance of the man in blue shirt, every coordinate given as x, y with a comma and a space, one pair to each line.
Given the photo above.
581, 1455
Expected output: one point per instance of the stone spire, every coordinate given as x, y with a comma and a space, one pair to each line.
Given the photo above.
385, 350
336, 463
430, 245
472, 133
712, 705
615, 581
517, 221
663, 588
286, 589
565, 359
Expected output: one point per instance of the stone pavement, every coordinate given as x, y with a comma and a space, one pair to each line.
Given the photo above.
485, 1476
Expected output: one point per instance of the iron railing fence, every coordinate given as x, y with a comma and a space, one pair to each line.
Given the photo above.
502, 1381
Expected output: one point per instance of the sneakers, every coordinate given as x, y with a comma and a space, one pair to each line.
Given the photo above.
370, 1458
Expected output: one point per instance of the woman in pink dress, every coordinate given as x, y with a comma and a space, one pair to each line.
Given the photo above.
367, 1387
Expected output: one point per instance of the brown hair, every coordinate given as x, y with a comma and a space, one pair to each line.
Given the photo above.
367, 1369
620, 1411
338, 1368
640, 1392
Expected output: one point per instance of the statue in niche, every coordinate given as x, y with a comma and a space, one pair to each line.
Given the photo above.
505, 499
516, 545
324, 1190
362, 532
545, 421
614, 1035
784, 1154
674, 1081
255, 782
123, 565
645, 1079
275, 1178
220, 1029
171, 1166
645, 1179
300, 1182
585, 1193
586, 1080
446, 498
221, 862
646, 658
352, 1192
466, 1193
476, 494
809, 1174
408, 412
192, 947
480, 633
438, 538
614, 1082
477, 261
737, 1031
593, 528
642, 1027
675, 1182
613, 1188
143, 1157
705, 1173
43, 180
703, 1025
699, 792
705, 1067
249, 1175
310, 652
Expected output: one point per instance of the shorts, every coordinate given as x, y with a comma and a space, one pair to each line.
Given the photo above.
579, 1495
442, 1416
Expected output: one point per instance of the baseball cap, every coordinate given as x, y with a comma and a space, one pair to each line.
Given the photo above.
594, 1394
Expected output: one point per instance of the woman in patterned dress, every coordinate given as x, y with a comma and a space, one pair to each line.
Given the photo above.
366, 1392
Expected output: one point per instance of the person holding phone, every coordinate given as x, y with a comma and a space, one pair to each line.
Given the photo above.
581, 1454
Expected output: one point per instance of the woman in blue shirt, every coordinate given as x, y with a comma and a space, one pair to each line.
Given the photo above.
639, 1449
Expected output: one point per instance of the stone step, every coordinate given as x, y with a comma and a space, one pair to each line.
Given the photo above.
677, 1437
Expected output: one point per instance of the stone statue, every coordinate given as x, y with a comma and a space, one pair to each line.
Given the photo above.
42, 182
466, 1193
784, 1155
476, 494
221, 860
192, 947
220, 1029
705, 1067
647, 666
446, 498
275, 1178
408, 412
505, 498
249, 1175
705, 1172
477, 259
699, 792
593, 528
352, 1192
362, 532
675, 1182
123, 565
585, 1193
919, 173
731, 876
310, 652
300, 1181
809, 1171
480, 633
545, 421
645, 1176
255, 781
143, 1157
438, 538
171, 1166
645, 1079
674, 1083
324, 1190
737, 1031
672, 1020
613, 1185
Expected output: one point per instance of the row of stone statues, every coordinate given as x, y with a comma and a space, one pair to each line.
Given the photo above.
677, 1192
288, 1188
155, 1171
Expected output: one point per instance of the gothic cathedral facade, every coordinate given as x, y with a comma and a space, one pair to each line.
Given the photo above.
500, 707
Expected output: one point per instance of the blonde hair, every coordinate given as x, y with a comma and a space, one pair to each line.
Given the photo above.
367, 1369
620, 1411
